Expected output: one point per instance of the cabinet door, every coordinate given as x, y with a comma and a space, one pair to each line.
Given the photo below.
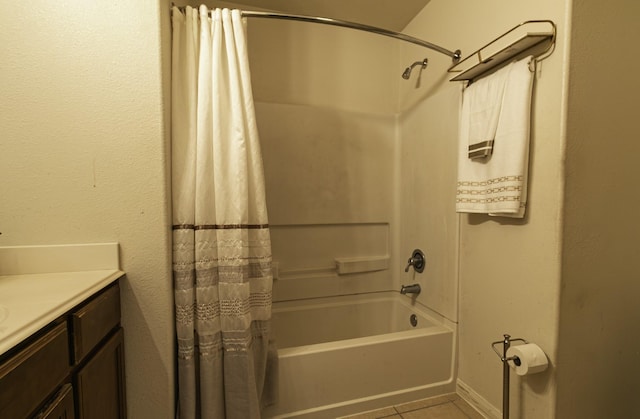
100, 383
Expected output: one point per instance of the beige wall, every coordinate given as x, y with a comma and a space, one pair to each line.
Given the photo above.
83, 158
323, 66
509, 271
598, 359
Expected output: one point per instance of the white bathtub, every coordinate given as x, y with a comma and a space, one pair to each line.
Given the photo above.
342, 355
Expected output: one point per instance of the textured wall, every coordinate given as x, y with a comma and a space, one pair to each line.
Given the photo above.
598, 359
82, 158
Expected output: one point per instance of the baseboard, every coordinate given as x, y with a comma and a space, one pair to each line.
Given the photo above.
477, 401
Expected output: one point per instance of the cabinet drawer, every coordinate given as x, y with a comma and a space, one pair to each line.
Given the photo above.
61, 406
30, 376
93, 321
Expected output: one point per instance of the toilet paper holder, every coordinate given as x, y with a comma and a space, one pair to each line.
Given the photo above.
506, 344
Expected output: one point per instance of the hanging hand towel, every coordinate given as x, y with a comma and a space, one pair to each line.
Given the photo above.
482, 105
497, 185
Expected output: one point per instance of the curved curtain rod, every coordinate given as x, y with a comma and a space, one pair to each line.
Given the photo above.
455, 55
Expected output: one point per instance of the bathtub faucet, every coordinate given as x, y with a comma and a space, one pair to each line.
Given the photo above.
410, 289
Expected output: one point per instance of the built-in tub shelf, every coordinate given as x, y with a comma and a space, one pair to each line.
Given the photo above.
343, 266
346, 266
536, 37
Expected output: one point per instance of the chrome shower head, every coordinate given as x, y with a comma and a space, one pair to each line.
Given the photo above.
407, 71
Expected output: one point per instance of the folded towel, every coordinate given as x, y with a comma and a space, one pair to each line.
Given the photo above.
482, 105
497, 184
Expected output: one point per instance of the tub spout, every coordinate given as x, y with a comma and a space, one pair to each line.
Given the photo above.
410, 289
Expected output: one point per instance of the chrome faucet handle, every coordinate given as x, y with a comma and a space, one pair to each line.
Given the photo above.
411, 262
417, 260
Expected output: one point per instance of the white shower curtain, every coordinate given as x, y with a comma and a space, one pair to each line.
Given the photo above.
221, 242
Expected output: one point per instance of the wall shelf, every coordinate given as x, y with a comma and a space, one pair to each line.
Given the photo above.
535, 36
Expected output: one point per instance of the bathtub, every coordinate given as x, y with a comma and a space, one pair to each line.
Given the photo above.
343, 355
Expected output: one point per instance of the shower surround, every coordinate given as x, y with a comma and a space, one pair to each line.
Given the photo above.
344, 182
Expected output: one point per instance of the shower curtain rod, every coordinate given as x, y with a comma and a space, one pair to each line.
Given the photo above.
455, 55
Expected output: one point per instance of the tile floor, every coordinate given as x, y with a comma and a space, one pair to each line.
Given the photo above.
449, 406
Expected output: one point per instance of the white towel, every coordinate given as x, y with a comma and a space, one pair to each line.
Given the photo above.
497, 185
482, 106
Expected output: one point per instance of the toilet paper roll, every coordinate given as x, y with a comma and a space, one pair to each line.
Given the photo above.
532, 359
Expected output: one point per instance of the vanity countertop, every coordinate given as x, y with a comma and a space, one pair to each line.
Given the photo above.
38, 284
29, 302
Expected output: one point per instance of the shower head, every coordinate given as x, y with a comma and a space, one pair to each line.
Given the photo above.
407, 71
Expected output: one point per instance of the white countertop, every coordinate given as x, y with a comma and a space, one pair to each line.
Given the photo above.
38, 284
31, 301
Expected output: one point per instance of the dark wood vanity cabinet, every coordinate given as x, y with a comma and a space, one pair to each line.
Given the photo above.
98, 353
73, 369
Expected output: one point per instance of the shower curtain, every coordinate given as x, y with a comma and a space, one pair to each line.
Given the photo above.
221, 242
